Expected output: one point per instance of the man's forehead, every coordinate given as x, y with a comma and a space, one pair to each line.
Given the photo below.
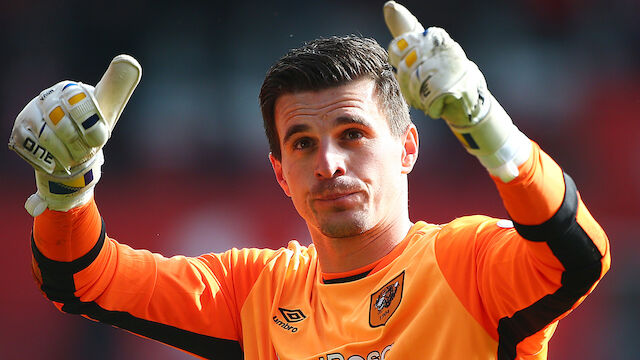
355, 96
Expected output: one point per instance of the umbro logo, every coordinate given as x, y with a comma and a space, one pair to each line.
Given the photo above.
290, 316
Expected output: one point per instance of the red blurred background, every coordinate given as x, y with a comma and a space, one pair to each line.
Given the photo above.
187, 172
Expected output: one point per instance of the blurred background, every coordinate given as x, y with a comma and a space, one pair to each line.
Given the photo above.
187, 171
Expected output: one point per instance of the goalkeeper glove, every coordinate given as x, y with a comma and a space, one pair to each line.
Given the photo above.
61, 133
436, 77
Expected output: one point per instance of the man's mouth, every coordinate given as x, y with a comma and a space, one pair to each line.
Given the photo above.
339, 192
335, 196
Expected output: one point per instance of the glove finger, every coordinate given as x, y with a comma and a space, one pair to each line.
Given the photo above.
24, 138
80, 103
399, 48
35, 140
436, 37
67, 131
25, 143
418, 87
48, 139
406, 68
57, 117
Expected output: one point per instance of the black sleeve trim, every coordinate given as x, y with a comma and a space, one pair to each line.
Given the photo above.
57, 276
58, 285
559, 222
74, 266
205, 346
581, 260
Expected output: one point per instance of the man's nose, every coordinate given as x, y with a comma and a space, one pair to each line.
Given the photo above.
330, 161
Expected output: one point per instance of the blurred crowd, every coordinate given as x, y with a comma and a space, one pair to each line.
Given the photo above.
186, 169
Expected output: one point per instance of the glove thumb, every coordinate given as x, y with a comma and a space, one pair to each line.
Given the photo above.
116, 86
400, 20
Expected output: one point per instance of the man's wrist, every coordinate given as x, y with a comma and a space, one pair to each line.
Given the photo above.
64, 194
497, 143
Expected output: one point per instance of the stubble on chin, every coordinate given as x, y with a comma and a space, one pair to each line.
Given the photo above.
339, 226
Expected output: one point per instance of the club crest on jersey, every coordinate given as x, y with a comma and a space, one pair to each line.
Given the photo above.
385, 301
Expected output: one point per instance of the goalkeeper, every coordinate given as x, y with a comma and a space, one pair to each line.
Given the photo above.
374, 284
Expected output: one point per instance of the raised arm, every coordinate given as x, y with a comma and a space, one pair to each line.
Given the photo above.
190, 303
516, 278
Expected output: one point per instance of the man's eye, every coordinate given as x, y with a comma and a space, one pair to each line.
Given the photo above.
353, 134
302, 144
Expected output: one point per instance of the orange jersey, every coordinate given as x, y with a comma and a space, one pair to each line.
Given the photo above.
475, 288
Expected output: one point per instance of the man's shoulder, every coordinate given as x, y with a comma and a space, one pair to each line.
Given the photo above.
476, 223
465, 227
467, 231
285, 260
252, 255
292, 256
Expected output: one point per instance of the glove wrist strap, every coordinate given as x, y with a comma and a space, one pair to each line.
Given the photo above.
499, 145
64, 194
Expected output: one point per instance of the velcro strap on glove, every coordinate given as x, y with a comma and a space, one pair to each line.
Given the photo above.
64, 194
499, 145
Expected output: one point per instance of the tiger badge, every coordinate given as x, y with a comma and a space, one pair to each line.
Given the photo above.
385, 301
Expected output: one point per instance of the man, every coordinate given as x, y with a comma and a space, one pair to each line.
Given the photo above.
373, 285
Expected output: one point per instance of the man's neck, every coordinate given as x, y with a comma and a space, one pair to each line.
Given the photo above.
344, 254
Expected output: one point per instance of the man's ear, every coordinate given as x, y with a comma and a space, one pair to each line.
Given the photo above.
277, 170
410, 149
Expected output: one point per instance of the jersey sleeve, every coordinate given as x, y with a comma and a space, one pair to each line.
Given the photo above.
189, 303
519, 277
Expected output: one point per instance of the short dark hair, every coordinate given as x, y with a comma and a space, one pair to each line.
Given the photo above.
330, 62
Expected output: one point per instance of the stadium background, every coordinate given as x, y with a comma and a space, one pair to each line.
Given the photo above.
186, 170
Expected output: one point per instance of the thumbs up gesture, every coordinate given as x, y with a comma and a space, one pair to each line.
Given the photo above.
433, 71
436, 77
61, 133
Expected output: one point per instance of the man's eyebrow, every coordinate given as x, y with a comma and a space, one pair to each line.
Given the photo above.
341, 120
294, 130
346, 120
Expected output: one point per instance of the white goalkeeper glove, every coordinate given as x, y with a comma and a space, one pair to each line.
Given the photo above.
436, 77
61, 133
